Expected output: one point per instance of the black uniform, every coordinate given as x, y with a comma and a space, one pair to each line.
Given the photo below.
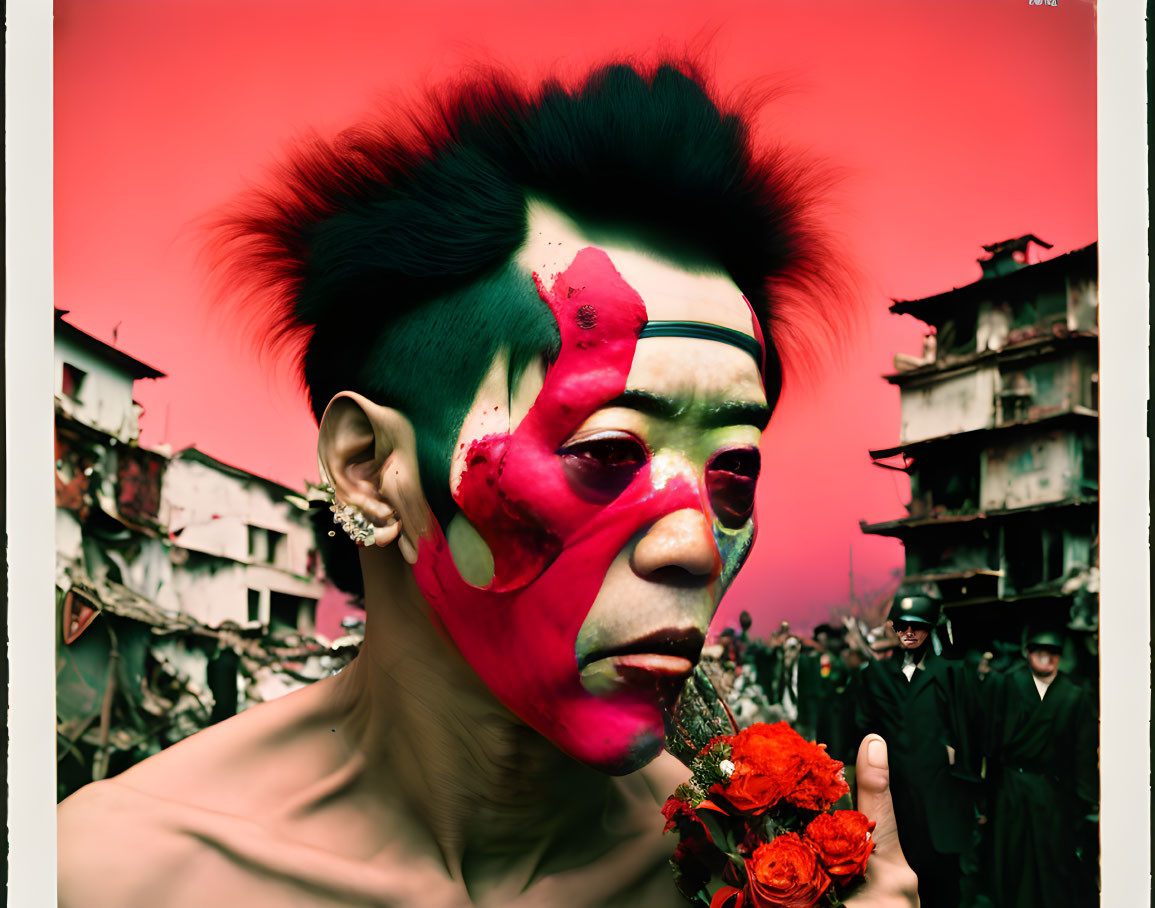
832, 707
934, 800
797, 687
1044, 777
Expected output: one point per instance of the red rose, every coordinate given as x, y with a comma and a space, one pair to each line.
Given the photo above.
843, 842
785, 873
821, 783
728, 897
768, 763
689, 849
674, 808
693, 859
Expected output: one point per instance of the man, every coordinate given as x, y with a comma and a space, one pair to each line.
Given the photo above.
925, 706
790, 685
1043, 772
833, 707
533, 339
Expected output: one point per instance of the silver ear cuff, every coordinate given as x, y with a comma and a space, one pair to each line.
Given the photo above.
348, 517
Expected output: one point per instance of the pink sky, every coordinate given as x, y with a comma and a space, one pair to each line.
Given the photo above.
954, 124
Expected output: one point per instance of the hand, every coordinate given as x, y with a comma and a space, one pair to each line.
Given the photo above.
890, 883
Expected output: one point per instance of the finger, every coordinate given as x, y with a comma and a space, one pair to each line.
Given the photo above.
872, 775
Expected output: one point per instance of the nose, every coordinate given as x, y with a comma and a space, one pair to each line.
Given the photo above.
678, 544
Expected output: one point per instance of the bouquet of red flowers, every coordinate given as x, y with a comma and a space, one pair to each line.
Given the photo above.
756, 819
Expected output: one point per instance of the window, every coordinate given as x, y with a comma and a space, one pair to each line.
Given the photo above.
72, 381
1023, 549
268, 546
258, 544
295, 614
1034, 555
254, 605
1090, 476
278, 548
1016, 396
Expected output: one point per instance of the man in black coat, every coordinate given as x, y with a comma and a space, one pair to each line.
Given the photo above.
1043, 773
926, 707
794, 686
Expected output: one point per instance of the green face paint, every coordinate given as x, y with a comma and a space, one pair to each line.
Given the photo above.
430, 362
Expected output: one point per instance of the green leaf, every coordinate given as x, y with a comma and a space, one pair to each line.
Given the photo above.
698, 716
717, 830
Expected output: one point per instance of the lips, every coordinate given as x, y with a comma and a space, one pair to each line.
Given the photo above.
674, 643
657, 660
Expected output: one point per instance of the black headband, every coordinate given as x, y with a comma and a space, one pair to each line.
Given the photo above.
706, 331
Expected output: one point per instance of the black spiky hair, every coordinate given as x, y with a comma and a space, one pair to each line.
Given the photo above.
406, 207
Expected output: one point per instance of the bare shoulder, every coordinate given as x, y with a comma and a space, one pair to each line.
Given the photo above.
115, 847
158, 829
245, 763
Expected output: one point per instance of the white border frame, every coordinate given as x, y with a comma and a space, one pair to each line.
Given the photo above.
1124, 520
31, 506
1125, 639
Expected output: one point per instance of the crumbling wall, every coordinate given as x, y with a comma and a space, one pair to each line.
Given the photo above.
1083, 304
1035, 389
105, 397
1024, 472
212, 512
994, 326
960, 403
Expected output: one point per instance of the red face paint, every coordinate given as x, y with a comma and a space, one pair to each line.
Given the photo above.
553, 538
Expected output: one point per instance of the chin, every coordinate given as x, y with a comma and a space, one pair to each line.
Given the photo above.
620, 741
638, 753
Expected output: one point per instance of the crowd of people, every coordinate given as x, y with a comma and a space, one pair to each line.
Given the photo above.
993, 757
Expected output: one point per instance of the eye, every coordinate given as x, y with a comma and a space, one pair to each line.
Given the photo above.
730, 480
600, 468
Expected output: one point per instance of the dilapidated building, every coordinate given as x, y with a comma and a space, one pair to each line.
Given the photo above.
1000, 438
186, 588
243, 545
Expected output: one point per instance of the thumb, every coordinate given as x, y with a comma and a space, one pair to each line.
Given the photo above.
889, 880
872, 775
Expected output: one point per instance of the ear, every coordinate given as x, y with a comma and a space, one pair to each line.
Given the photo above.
368, 453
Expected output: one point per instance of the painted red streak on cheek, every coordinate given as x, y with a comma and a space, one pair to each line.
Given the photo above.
520, 544
551, 549
599, 316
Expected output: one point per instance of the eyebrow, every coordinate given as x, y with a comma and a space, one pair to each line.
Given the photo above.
710, 416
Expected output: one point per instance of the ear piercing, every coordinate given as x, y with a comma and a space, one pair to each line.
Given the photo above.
349, 518
380, 526
353, 522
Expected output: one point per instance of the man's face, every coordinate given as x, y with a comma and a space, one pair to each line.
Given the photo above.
606, 504
910, 636
1043, 660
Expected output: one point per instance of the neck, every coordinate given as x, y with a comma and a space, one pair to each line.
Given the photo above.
474, 783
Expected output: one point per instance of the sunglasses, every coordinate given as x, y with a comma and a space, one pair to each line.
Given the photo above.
901, 626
